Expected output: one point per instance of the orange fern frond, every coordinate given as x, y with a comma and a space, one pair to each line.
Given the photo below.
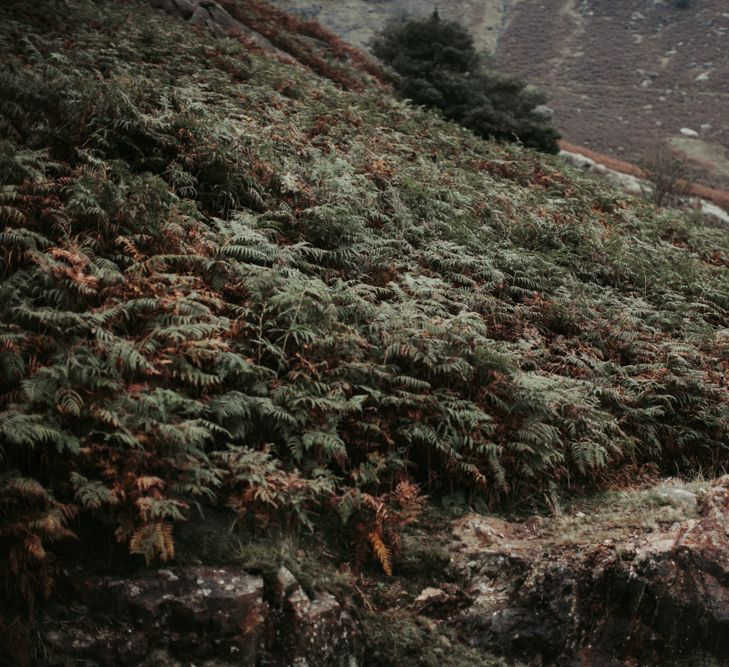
149, 482
381, 551
34, 548
153, 541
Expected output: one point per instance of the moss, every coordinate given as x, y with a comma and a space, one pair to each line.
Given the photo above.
400, 638
209, 537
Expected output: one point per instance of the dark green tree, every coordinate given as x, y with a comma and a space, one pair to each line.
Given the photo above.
439, 67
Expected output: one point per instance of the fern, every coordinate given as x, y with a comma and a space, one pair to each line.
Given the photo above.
382, 552
216, 292
92, 495
153, 541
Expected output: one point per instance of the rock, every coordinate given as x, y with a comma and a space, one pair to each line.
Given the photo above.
677, 496
183, 8
713, 212
428, 595
312, 631
624, 182
198, 614
176, 610
284, 584
577, 160
442, 603
635, 186
688, 132
638, 598
214, 18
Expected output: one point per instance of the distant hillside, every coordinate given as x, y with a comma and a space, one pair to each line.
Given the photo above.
620, 74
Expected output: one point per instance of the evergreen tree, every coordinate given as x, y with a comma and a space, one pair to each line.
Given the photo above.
439, 67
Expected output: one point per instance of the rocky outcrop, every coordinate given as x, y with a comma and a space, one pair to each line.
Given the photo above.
562, 592
641, 579
307, 631
636, 186
214, 18
211, 616
625, 182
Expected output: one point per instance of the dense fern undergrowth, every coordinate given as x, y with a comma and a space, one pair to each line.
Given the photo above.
223, 279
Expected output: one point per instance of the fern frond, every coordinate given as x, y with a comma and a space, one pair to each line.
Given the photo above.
381, 551
153, 541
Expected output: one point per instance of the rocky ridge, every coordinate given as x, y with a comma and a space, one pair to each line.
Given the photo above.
211, 16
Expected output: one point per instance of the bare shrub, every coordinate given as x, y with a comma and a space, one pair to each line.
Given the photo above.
667, 175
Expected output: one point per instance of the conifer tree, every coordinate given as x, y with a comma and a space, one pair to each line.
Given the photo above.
439, 67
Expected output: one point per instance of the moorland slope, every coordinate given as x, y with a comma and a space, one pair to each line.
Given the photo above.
240, 276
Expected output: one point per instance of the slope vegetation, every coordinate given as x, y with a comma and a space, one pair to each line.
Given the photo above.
223, 278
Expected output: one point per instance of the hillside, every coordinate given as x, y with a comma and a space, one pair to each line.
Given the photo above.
239, 279
620, 75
